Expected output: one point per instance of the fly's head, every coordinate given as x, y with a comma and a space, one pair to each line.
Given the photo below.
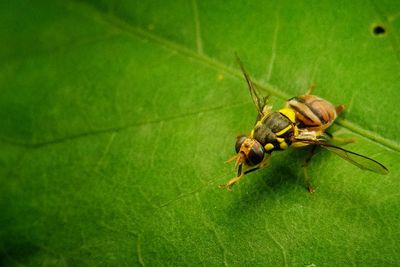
249, 151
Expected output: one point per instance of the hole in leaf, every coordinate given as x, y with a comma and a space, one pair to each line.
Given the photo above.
379, 30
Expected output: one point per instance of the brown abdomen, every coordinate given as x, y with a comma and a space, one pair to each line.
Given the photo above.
312, 111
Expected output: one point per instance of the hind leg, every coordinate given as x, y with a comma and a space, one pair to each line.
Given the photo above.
339, 109
307, 179
339, 141
310, 88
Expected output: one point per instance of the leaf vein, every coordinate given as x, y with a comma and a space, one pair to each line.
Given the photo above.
274, 42
106, 150
199, 42
212, 228
281, 248
139, 251
35, 145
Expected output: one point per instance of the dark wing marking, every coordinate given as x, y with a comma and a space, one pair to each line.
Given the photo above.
258, 102
358, 160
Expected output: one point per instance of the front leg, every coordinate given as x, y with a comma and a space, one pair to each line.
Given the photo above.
236, 179
231, 182
242, 173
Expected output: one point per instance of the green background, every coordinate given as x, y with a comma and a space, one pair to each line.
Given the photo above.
117, 116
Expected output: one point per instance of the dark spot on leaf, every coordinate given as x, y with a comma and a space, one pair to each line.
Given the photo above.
379, 30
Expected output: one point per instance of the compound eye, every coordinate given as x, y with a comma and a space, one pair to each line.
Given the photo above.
255, 155
239, 141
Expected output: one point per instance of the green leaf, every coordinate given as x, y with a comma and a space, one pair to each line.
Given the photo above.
117, 116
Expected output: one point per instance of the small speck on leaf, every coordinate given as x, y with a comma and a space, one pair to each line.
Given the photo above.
378, 30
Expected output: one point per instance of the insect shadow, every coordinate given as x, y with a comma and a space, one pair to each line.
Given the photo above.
283, 177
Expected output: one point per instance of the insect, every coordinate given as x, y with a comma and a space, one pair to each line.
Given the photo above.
302, 122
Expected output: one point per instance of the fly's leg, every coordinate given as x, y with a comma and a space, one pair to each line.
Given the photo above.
266, 109
234, 180
339, 109
343, 141
307, 179
310, 88
340, 141
231, 182
240, 174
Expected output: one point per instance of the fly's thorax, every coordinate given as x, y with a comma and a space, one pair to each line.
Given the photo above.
312, 111
275, 130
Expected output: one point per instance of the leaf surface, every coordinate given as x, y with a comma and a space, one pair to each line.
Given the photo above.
117, 116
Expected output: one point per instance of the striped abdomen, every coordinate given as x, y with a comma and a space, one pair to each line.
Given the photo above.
312, 112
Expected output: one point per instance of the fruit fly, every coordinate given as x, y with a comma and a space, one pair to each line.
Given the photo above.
302, 122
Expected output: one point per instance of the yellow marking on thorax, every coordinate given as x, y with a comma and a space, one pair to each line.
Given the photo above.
252, 134
269, 147
284, 130
280, 140
288, 112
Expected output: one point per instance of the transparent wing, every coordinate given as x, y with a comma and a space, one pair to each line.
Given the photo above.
358, 160
252, 88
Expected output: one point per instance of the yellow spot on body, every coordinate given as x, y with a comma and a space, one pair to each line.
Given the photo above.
220, 77
284, 130
259, 123
280, 140
269, 147
288, 112
283, 145
252, 133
